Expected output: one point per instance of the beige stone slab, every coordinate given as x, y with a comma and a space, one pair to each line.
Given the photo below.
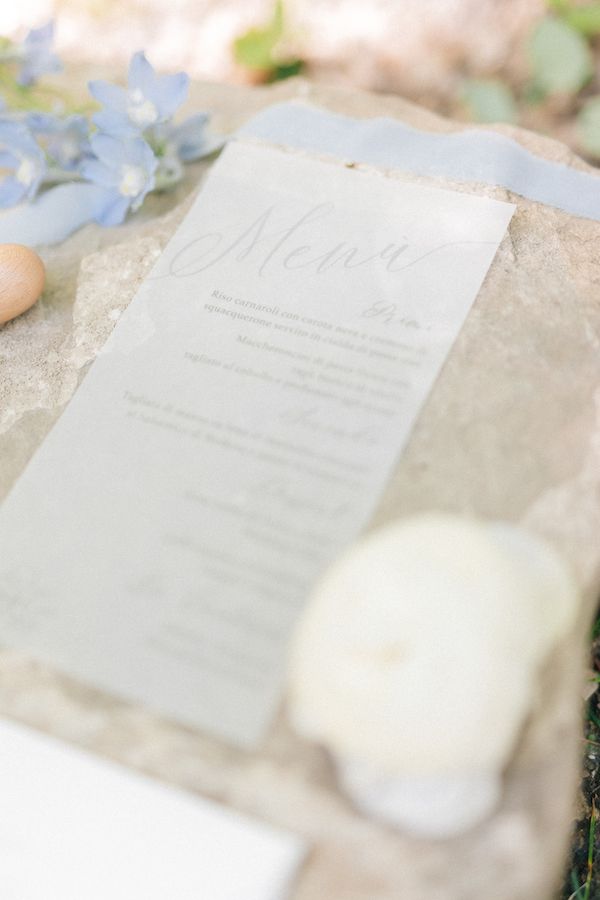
511, 430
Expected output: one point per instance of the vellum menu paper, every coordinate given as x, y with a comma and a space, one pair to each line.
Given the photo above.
238, 430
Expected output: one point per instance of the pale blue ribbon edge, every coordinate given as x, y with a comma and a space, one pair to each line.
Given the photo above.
59, 211
52, 216
472, 155
466, 156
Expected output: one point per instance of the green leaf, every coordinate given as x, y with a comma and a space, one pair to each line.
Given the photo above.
532, 94
585, 19
287, 69
589, 126
255, 49
560, 58
490, 100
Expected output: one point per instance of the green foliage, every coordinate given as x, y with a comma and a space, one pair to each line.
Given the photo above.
584, 19
287, 70
560, 57
257, 48
589, 126
37, 97
490, 100
584, 891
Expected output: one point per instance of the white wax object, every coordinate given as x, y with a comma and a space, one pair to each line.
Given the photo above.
418, 655
427, 806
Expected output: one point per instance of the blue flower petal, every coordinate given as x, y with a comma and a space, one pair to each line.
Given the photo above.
66, 139
99, 173
109, 149
150, 99
42, 36
42, 122
17, 138
140, 153
114, 123
170, 92
114, 212
109, 95
37, 56
190, 137
125, 168
71, 144
11, 192
21, 153
141, 75
8, 160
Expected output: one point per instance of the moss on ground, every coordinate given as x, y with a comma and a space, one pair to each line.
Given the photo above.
582, 879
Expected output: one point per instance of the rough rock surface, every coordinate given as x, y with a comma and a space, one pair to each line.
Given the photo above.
511, 430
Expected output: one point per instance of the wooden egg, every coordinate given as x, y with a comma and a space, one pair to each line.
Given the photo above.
22, 276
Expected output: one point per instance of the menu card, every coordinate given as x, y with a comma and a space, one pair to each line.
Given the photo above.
237, 431
75, 827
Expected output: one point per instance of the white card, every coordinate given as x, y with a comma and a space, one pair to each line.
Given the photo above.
74, 827
237, 431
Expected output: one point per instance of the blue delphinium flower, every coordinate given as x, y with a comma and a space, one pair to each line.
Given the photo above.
148, 100
146, 107
190, 138
24, 158
66, 140
35, 55
94, 176
125, 168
